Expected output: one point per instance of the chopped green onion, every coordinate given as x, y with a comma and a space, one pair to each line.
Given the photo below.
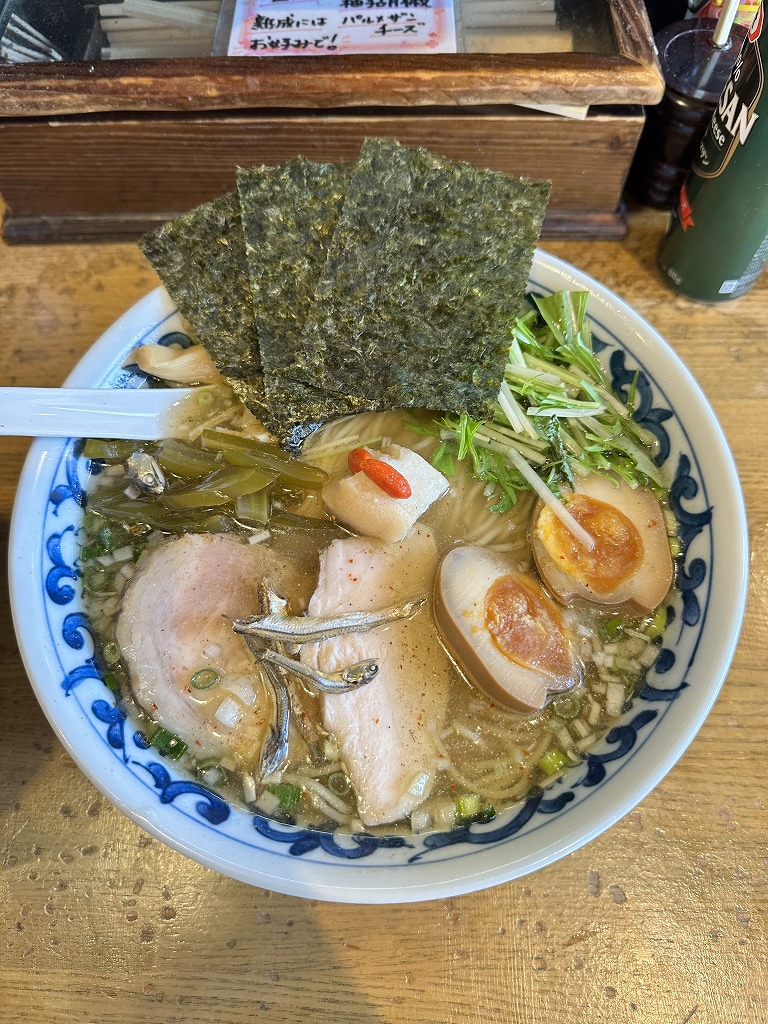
288, 794
92, 523
111, 653
107, 539
205, 396
167, 743
566, 706
92, 550
468, 805
205, 678
469, 809
339, 784
612, 629
485, 814
657, 624
553, 761
211, 771
111, 682
96, 580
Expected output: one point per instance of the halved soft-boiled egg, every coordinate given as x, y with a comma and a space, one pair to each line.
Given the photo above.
630, 564
504, 633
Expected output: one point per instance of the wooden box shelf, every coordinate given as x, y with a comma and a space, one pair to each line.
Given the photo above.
107, 149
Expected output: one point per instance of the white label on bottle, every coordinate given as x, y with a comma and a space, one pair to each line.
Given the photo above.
754, 269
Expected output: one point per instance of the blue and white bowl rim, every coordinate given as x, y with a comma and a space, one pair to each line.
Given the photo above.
653, 733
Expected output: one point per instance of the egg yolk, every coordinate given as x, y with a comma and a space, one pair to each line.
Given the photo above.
616, 556
526, 626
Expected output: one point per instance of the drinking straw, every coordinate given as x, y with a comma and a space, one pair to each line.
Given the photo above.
720, 39
722, 31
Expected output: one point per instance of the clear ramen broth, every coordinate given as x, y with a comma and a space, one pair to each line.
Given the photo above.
487, 757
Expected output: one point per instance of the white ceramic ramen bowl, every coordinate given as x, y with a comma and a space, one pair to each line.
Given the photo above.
653, 733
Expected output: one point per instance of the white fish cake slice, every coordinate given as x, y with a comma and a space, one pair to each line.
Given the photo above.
362, 504
385, 730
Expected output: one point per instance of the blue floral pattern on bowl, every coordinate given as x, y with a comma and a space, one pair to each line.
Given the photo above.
620, 741
231, 830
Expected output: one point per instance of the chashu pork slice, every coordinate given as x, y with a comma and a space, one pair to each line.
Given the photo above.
175, 621
385, 730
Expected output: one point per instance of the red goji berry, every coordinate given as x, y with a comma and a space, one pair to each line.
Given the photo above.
356, 458
390, 480
387, 478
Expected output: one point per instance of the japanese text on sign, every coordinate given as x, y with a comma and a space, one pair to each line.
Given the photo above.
315, 27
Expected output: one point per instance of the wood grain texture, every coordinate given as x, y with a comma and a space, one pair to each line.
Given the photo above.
633, 33
660, 919
230, 83
79, 175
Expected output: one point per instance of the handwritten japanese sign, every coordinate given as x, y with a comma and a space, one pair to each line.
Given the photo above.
315, 27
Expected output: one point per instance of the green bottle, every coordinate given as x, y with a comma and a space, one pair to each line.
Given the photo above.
717, 243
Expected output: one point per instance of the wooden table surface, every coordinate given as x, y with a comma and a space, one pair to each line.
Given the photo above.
661, 919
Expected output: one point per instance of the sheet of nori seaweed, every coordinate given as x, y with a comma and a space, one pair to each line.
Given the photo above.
200, 257
426, 268
289, 218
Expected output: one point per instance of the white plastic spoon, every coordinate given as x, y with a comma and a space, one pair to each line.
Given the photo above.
144, 414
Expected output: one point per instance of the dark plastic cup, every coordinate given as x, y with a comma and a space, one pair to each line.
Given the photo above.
695, 72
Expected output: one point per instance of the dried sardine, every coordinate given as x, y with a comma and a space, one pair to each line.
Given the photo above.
145, 474
270, 601
274, 753
294, 630
350, 678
